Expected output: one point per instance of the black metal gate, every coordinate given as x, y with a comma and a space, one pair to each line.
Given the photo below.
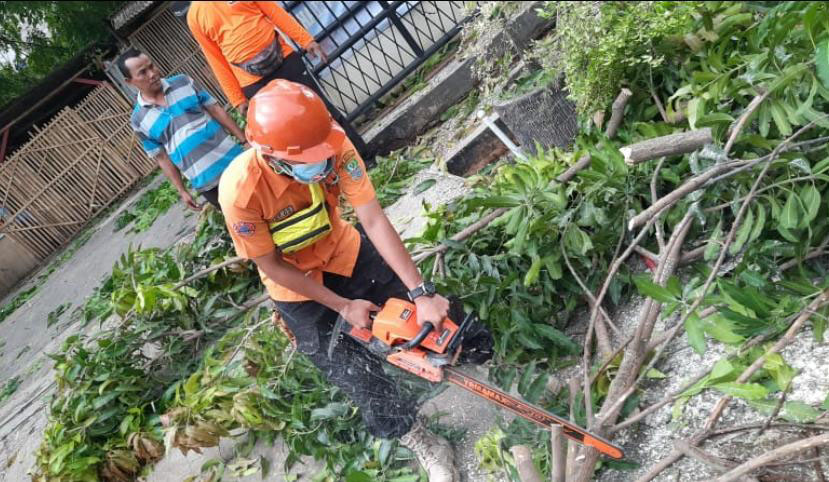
374, 45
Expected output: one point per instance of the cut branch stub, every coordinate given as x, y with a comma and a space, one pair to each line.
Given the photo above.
671, 145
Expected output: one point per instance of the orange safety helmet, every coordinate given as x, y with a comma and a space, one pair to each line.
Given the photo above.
289, 121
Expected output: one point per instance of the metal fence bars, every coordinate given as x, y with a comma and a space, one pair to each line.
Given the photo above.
71, 168
374, 45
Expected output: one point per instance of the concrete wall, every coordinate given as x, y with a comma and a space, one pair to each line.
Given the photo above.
15, 263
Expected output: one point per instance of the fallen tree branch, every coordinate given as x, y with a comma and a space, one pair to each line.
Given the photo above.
524, 463
696, 453
658, 103
698, 181
570, 173
617, 112
793, 180
660, 231
600, 328
572, 448
558, 456
463, 234
208, 270
780, 452
696, 439
686, 258
815, 253
777, 425
741, 122
817, 464
666, 146
672, 197
778, 406
635, 357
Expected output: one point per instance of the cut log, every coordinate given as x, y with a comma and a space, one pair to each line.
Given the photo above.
671, 145
524, 463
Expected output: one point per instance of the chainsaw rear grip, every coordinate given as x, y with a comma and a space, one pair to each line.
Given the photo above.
421, 335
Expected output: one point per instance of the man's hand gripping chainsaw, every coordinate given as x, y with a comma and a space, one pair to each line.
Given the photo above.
396, 337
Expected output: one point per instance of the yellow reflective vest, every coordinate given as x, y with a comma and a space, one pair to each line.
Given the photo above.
304, 227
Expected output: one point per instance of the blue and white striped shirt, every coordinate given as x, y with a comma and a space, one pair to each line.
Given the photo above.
195, 142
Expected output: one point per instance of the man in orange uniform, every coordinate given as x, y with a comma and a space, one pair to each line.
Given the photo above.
245, 51
280, 202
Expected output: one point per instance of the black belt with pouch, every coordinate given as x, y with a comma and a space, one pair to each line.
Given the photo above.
265, 62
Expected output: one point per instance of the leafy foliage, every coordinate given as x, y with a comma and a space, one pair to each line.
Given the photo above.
601, 46
152, 204
41, 35
17, 302
9, 388
104, 420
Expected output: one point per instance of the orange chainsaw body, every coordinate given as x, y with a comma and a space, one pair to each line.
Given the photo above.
396, 324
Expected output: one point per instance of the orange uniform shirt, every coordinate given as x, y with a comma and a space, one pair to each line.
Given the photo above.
253, 195
234, 32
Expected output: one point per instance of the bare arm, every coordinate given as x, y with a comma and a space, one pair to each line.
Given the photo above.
354, 311
173, 174
222, 117
388, 243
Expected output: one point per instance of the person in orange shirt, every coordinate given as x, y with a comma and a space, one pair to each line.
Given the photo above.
245, 51
280, 202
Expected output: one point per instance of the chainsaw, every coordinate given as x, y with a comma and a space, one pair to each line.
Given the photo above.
429, 354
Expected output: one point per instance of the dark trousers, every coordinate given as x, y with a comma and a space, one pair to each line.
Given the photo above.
386, 411
212, 196
293, 69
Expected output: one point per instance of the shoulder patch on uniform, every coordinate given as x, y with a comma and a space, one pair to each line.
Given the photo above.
352, 165
244, 229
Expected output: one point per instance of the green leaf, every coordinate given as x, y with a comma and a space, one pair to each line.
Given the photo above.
811, 201
332, 410
536, 388
526, 378
818, 328
497, 202
556, 336
799, 412
747, 391
779, 370
696, 336
822, 62
825, 404
655, 374
532, 273
648, 288
759, 223
780, 120
423, 186
357, 476
721, 329
790, 217
722, 369
553, 267
743, 233
712, 249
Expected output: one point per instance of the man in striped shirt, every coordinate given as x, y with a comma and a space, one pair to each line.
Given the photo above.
182, 126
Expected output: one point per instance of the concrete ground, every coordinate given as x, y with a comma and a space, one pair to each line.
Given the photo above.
27, 340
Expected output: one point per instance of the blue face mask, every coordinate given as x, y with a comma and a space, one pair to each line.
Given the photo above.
306, 173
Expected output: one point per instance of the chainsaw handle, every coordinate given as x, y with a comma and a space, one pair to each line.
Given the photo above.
421, 335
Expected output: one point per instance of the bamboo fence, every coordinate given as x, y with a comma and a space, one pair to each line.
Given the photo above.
73, 166
168, 41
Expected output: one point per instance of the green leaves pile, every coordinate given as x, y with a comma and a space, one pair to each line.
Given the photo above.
111, 387
723, 56
152, 204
